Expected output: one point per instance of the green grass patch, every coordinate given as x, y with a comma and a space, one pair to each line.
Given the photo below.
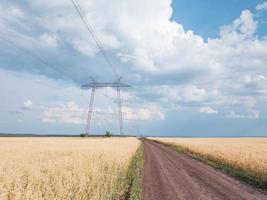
133, 190
256, 178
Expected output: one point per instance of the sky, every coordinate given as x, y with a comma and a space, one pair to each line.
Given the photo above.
196, 68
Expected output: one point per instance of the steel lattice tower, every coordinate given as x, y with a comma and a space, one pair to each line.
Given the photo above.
97, 85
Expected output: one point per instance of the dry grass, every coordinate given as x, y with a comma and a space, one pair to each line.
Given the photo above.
244, 157
64, 168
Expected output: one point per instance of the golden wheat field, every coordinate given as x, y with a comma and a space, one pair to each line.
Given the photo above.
64, 168
248, 155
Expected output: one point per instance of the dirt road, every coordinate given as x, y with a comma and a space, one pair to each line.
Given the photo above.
169, 175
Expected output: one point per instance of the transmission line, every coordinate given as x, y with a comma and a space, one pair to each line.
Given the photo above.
93, 35
32, 54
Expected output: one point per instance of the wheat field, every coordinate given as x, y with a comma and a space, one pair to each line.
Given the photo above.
64, 168
246, 156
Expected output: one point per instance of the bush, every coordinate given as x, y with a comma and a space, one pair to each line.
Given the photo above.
108, 134
82, 134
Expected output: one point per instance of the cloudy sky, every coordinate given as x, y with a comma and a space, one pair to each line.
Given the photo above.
196, 68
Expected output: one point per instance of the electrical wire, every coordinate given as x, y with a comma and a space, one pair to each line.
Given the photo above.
33, 55
93, 35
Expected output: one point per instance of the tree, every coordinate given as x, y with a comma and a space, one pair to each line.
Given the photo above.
108, 134
82, 135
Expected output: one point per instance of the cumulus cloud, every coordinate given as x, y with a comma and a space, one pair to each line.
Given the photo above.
27, 104
148, 113
145, 38
174, 66
192, 93
208, 110
16, 12
244, 26
262, 6
142, 35
49, 40
69, 113
251, 114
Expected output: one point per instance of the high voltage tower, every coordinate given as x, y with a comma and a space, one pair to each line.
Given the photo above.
117, 85
96, 85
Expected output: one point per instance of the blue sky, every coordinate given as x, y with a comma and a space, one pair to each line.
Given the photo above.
197, 68
208, 15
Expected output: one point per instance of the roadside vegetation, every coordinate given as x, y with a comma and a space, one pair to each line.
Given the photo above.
133, 191
245, 158
68, 168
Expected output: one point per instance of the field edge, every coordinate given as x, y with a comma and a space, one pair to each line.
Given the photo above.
134, 175
224, 167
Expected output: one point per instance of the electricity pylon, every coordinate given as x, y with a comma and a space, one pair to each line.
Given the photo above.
97, 85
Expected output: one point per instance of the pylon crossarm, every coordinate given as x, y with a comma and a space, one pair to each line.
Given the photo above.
97, 85
103, 85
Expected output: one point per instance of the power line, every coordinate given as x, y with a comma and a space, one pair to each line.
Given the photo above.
34, 55
116, 85
93, 34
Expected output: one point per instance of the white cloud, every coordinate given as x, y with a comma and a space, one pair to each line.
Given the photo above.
147, 113
207, 110
27, 104
226, 71
143, 34
251, 114
244, 25
16, 12
143, 31
144, 113
192, 93
262, 6
184, 94
69, 113
48, 40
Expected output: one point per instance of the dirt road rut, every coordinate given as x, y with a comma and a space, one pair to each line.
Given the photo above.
169, 175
